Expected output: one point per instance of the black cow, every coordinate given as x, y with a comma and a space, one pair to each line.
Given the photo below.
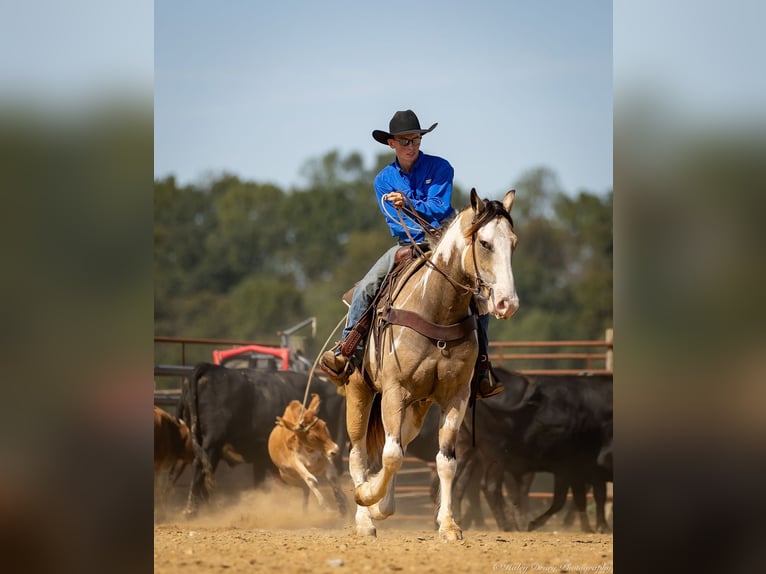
425, 446
556, 424
231, 413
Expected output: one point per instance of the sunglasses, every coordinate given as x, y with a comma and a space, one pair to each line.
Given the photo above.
404, 142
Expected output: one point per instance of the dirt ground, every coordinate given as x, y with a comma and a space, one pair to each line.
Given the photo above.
270, 532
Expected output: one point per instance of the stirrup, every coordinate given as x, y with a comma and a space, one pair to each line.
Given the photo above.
495, 386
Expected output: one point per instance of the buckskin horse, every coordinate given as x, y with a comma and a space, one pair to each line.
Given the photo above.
424, 351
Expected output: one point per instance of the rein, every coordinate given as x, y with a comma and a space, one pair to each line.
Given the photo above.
441, 334
410, 211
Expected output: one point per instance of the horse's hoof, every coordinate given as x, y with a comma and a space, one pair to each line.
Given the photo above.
368, 531
452, 535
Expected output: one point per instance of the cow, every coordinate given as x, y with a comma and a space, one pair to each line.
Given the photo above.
237, 407
172, 447
556, 424
424, 447
301, 448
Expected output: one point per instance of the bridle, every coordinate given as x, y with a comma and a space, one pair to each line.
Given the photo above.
409, 210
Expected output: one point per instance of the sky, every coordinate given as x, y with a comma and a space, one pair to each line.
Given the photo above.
257, 89
705, 58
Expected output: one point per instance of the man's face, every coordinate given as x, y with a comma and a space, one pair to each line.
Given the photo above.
406, 146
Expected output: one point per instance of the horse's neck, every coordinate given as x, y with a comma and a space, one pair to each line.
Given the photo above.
430, 293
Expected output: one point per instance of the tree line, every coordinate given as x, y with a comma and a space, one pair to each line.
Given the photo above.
243, 260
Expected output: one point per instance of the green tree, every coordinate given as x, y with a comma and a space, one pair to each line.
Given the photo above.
586, 222
240, 259
182, 224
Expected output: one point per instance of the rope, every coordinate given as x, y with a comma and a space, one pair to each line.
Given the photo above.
316, 361
386, 208
411, 212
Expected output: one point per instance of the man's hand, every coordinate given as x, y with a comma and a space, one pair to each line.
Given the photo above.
395, 197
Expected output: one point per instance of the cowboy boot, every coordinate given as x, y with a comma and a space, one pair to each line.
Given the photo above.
336, 367
488, 386
336, 363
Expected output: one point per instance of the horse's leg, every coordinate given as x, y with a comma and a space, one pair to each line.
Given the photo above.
358, 403
446, 465
413, 421
378, 485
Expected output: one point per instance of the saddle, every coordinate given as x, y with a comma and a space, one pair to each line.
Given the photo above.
406, 262
403, 259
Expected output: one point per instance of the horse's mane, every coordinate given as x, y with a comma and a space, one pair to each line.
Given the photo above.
492, 209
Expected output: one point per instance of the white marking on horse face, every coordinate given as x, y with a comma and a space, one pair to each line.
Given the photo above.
495, 267
451, 241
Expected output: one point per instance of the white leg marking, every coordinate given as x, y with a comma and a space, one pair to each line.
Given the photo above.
357, 463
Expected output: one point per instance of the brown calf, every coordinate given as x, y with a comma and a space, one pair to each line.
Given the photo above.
301, 448
172, 450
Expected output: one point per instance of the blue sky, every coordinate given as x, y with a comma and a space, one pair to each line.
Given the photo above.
259, 88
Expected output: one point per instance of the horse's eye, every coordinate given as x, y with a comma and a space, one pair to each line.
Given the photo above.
485, 244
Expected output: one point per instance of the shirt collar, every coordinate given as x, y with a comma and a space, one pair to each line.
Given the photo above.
414, 164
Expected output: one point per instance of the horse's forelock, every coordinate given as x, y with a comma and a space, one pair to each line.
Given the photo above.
492, 209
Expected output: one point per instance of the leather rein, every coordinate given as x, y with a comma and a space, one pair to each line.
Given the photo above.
410, 211
439, 333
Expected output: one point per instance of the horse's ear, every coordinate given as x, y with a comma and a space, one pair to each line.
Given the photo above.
314, 405
508, 200
476, 202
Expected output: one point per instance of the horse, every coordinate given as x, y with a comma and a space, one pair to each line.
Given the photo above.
423, 351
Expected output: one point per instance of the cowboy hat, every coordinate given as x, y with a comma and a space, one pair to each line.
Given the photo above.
405, 122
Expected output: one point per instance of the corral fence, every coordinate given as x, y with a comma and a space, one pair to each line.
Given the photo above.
178, 355
569, 357
555, 357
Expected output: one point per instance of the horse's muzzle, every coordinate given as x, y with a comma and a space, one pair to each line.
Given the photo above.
506, 307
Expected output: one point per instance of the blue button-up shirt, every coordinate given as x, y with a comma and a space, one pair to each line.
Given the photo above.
428, 187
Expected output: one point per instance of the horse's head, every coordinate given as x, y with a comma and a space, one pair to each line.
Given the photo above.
492, 243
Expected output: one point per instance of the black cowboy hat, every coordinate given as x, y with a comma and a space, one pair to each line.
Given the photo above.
405, 122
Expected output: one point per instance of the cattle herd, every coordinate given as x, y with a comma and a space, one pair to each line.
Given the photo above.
561, 425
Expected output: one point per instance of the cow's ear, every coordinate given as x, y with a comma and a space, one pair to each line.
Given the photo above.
314, 405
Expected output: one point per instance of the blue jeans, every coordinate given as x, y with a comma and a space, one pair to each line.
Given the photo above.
483, 334
367, 288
